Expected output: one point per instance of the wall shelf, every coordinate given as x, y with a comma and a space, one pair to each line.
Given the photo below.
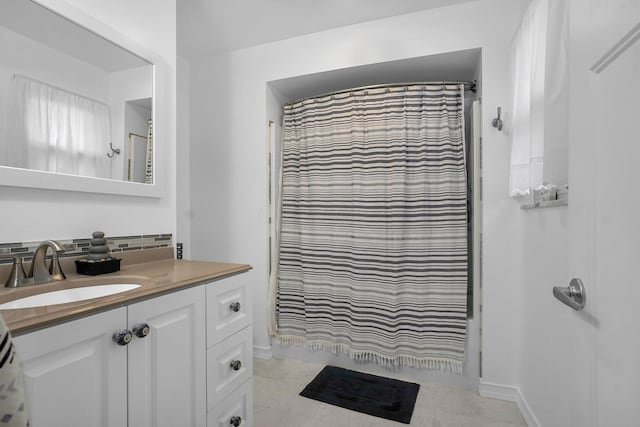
546, 204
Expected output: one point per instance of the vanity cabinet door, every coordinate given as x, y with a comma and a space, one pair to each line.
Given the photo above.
75, 375
167, 368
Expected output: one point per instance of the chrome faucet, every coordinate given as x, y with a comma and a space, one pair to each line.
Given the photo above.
39, 271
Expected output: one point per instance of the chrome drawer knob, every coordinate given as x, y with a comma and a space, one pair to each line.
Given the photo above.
141, 330
235, 365
235, 421
122, 336
234, 306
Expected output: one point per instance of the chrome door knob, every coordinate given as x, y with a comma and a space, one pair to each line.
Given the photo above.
141, 330
122, 336
234, 306
235, 365
235, 421
574, 295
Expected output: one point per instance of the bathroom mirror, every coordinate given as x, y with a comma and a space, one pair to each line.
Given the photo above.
70, 101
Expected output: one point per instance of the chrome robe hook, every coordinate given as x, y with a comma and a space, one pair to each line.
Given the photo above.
497, 122
114, 151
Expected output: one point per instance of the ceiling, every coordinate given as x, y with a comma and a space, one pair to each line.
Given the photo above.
207, 27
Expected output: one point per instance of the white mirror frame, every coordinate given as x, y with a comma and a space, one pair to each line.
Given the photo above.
16, 177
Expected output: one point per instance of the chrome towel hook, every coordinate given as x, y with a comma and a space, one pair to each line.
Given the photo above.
114, 151
497, 122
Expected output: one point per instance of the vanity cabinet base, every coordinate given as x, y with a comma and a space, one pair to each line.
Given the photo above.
76, 374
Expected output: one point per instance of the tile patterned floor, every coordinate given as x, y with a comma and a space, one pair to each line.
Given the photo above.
277, 403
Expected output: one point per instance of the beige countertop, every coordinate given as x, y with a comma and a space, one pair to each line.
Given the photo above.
156, 271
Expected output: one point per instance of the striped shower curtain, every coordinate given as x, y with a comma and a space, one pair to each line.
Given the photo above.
148, 163
373, 233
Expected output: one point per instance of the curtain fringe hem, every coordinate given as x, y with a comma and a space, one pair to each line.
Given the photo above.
430, 363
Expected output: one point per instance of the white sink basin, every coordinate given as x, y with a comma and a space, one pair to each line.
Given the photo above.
68, 295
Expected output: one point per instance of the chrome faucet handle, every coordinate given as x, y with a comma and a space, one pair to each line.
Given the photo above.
39, 270
16, 276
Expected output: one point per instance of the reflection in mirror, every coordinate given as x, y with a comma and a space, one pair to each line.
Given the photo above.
70, 100
137, 120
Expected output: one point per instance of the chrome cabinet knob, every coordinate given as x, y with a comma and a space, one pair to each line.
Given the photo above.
235, 421
122, 336
234, 306
141, 330
235, 365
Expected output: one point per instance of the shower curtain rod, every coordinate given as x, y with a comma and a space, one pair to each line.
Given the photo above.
468, 86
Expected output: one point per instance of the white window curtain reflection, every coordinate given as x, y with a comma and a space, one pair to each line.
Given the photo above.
54, 130
539, 94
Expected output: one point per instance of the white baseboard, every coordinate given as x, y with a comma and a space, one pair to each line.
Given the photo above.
512, 394
264, 353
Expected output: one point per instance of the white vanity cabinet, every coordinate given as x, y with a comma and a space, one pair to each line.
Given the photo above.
229, 353
76, 375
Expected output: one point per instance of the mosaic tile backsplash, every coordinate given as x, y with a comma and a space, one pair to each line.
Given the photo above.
77, 247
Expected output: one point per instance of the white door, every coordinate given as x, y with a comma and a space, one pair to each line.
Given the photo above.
75, 375
604, 211
167, 371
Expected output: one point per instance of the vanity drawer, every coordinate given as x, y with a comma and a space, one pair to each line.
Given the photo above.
228, 308
236, 409
229, 364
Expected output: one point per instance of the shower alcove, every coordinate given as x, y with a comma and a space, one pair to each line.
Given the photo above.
460, 66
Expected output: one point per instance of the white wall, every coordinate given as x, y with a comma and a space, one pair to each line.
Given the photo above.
229, 135
210, 173
33, 214
183, 160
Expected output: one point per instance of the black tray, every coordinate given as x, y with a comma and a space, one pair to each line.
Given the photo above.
94, 268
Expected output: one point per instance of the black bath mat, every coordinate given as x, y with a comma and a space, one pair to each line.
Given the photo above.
370, 394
